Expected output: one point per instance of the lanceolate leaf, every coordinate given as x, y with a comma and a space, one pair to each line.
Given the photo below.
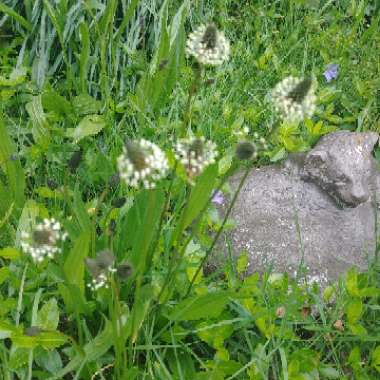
13, 189
202, 306
10, 12
48, 315
198, 199
92, 351
74, 264
141, 226
40, 130
84, 55
88, 126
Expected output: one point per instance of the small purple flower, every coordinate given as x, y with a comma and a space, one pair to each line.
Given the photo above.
218, 198
331, 71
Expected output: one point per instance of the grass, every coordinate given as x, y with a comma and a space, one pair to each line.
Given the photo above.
79, 78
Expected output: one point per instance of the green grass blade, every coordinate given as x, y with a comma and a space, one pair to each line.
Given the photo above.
12, 167
84, 55
21, 20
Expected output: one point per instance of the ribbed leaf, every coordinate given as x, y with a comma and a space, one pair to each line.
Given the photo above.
40, 128
142, 221
13, 190
74, 264
203, 306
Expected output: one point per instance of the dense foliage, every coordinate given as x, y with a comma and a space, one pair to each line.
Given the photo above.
124, 289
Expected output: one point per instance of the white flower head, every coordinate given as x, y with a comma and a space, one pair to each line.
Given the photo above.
294, 98
195, 153
100, 268
142, 163
44, 241
208, 45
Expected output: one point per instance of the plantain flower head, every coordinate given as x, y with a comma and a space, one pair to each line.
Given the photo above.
142, 163
44, 240
294, 98
208, 45
195, 154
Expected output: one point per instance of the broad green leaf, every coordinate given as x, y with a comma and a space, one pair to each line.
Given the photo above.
354, 310
93, 350
200, 195
49, 360
14, 190
352, 283
214, 334
16, 77
24, 341
354, 359
45, 339
74, 264
48, 316
225, 163
84, 55
4, 274
278, 155
90, 125
18, 358
27, 220
141, 226
10, 253
53, 102
210, 375
80, 211
7, 305
358, 329
84, 104
46, 192
202, 306
51, 339
73, 298
6, 205
329, 373
41, 128
265, 327
242, 262
7, 330
139, 312
375, 362
369, 292
132, 373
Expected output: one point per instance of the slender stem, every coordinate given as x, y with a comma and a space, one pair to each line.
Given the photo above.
30, 364
164, 210
116, 329
20, 294
192, 92
79, 328
220, 230
98, 203
173, 268
4, 364
133, 336
118, 313
173, 261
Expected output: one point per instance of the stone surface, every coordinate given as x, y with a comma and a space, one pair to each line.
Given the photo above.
318, 207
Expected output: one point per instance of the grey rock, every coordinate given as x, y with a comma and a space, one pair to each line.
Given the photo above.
318, 209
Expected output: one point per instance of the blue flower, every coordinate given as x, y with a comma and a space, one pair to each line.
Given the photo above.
331, 72
218, 198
